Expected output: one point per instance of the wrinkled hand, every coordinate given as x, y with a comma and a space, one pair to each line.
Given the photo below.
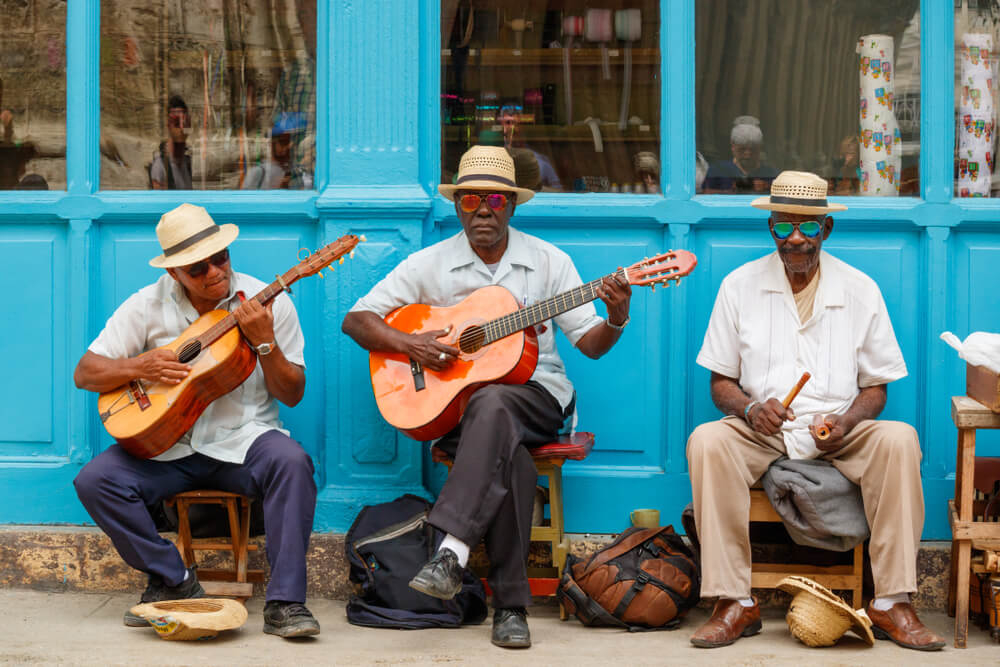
161, 365
616, 293
768, 416
426, 349
256, 321
838, 429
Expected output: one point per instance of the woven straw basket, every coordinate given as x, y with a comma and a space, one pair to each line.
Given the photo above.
201, 618
818, 617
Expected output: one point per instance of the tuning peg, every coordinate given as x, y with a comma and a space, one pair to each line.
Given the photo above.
653, 287
678, 281
319, 273
351, 256
342, 260
363, 237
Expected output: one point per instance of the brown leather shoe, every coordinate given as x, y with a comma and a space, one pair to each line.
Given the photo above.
901, 625
729, 621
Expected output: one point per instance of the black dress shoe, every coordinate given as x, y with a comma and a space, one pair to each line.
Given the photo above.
289, 619
441, 577
158, 591
510, 628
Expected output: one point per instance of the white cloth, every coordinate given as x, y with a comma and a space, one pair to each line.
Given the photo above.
531, 269
754, 336
159, 313
880, 141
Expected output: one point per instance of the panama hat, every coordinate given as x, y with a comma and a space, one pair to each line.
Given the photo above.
798, 192
486, 168
201, 618
188, 234
818, 617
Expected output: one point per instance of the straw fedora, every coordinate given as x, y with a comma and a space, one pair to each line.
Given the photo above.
818, 617
797, 192
188, 234
486, 168
200, 618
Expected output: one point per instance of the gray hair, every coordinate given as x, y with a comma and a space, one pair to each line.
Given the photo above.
746, 130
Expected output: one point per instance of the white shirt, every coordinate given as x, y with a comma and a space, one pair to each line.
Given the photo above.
755, 337
159, 313
531, 269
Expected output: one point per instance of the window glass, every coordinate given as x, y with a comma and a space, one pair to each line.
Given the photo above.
33, 95
977, 36
572, 91
827, 87
213, 95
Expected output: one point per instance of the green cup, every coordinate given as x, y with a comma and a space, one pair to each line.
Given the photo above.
645, 518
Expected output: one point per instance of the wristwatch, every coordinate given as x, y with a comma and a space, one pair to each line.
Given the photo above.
618, 327
265, 349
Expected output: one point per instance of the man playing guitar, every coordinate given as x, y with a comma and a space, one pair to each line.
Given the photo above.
489, 493
236, 445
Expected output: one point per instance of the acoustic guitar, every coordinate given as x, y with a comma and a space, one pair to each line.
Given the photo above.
147, 418
497, 342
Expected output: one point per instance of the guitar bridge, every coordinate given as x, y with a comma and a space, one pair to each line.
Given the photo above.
138, 393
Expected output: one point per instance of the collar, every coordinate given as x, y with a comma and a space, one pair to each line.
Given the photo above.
517, 252
829, 293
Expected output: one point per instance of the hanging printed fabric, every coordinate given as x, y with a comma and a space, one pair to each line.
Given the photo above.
975, 116
879, 139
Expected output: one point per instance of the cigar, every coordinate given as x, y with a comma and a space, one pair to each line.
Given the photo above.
795, 390
821, 427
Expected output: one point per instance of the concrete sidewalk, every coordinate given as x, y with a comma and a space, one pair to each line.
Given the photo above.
86, 629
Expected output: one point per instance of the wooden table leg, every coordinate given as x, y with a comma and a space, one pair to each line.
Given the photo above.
964, 479
962, 594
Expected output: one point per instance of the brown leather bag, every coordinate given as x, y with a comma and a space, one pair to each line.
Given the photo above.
646, 579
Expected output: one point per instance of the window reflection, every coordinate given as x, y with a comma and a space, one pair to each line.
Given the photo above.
213, 95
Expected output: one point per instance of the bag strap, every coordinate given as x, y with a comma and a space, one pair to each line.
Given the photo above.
625, 545
587, 609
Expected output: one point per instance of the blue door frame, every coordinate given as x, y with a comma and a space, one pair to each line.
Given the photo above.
70, 258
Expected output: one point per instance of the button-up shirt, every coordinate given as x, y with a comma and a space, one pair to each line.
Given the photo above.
157, 314
755, 337
531, 269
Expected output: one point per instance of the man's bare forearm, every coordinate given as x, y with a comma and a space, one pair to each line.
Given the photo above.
728, 395
868, 405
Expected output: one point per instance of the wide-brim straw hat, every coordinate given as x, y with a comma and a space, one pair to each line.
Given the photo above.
798, 192
818, 617
200, 618
486, 168
187, 234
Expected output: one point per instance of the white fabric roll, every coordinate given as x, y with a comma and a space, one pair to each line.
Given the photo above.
879, 140
976, 118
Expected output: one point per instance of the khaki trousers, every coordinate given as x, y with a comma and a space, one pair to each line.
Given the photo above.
727, 457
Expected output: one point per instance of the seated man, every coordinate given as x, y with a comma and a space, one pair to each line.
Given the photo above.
795, 310
746, 172
236, 445
489, 493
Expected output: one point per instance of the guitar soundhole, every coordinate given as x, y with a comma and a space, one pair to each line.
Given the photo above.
189, 351
471, 339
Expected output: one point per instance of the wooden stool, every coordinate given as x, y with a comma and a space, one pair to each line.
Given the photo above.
767, 575
968, 415
549, 459
239, 581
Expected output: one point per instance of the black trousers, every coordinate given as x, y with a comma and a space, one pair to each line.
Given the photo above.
490, 491
116, 487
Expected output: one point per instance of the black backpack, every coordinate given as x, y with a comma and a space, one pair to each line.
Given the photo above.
386, 546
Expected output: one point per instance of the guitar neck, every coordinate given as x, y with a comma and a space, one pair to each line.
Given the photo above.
537, 313
220, 328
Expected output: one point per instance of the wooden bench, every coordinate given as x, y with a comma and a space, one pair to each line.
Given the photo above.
237, 582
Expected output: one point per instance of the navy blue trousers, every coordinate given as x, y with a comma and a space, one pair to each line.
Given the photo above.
116, 487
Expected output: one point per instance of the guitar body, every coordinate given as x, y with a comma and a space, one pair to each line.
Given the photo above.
436, 409
147, 418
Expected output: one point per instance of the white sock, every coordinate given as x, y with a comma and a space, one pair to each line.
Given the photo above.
746, 602
187, 573
886, 603
460, 548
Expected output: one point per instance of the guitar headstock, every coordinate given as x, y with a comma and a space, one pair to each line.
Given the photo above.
325, 256
661, 269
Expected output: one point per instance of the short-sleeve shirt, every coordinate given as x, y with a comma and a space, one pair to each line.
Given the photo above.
755, 337
181, 171
531, 269
159, 313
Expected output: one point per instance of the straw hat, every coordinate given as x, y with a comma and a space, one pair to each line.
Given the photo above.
818, 617
797, 192
486, 168
188, 234
201, 618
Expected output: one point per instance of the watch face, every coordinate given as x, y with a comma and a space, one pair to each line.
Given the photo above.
264, 348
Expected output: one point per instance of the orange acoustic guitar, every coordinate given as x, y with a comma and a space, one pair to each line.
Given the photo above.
497, 342
147, 418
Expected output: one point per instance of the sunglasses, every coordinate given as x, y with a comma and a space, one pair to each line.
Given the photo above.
471, 202
201, 268
808, 228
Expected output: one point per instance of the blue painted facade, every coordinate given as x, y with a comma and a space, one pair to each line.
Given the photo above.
70, 257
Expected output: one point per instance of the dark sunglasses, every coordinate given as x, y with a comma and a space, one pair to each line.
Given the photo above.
808, 228
201, 268
470, 202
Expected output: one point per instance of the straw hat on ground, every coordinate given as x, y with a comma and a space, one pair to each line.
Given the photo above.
486, 168
188, 234
818, 617
201, 618
798, 192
